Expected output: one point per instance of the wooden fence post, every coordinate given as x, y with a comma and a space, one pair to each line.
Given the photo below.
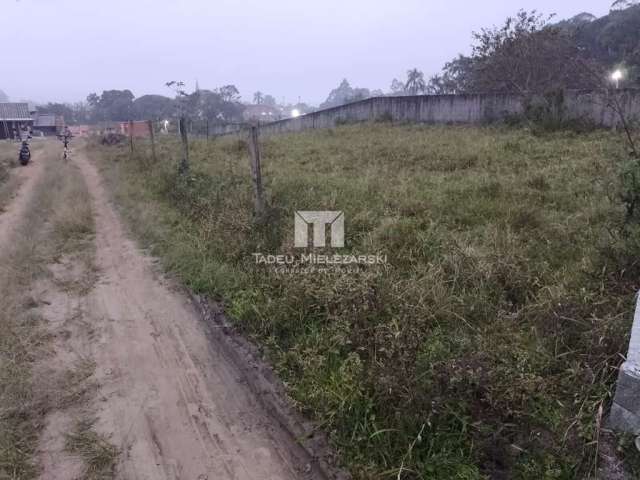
184, 162
131, 136
256, 171
153, 141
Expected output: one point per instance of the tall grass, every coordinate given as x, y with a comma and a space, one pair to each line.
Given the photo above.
487, 345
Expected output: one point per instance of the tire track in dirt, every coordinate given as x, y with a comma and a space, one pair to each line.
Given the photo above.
177, 408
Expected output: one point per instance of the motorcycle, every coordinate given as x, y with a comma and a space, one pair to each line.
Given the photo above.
25, 154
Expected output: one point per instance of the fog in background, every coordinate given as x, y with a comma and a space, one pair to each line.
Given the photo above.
61, 50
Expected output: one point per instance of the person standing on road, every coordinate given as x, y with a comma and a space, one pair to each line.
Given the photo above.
66, 136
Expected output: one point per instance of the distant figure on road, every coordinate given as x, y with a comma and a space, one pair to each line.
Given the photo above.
66, 136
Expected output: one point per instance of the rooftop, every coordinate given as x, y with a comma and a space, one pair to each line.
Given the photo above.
12, 112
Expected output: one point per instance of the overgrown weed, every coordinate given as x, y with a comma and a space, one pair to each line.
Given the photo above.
488, 345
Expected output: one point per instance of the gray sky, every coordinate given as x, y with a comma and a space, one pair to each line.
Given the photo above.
65, 49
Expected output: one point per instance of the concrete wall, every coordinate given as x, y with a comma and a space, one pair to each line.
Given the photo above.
443, 109
625, 410
595, 105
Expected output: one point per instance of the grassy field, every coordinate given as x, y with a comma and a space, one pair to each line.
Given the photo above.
486, 348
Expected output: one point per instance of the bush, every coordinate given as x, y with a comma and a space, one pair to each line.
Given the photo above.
113, 139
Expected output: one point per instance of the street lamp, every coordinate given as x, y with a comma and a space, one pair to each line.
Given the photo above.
617, 76
295, 113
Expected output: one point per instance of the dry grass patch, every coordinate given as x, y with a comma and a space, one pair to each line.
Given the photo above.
9, 182
44, 232
98, 454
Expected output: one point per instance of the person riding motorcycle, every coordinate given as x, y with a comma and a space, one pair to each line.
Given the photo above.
25, 153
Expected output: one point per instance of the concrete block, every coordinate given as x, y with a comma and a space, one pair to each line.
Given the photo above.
625, 411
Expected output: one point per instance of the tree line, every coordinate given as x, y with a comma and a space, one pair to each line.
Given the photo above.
529, 54
526, 55
218, 105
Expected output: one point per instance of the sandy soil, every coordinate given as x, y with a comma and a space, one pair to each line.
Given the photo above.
176, 407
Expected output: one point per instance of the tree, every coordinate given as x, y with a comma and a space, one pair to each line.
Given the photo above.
229, 93
269, 100
74, 114
623, 4
60, 109
339, 95
118, 104
153, 107
613, 40
222, 104
81, 113
456, 77
415, 82
359, 94
93, 100
178, 87
180, 101
215, 106
345, 94
397, 87
258, 98
526, 56
114, 105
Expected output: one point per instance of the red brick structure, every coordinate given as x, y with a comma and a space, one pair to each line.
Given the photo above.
139, 129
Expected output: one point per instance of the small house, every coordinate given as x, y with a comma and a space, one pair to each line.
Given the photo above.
15, 120
48, 124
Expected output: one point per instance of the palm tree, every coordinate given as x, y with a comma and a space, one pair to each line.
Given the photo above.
258, 98
623, 4
415, 82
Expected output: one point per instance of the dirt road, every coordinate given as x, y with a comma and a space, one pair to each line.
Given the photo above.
172, 404
28, 177
175, 407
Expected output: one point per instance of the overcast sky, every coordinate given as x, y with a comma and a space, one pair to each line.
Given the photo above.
61, 50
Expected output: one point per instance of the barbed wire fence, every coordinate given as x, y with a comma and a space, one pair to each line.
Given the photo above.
143, 138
